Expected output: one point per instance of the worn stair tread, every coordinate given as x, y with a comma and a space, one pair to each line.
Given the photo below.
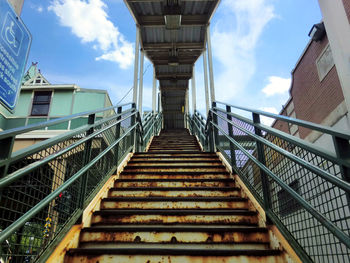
137, 250
229, 180
197, 188
172, 156
175, 173
178, 246
177, 199
176, 228
175, 166
176, 162
175, 212
175, 152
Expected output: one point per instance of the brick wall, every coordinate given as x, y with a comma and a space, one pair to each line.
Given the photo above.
347, 8
314, 100
281, 125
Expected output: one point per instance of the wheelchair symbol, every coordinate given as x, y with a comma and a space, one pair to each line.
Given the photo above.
10, 35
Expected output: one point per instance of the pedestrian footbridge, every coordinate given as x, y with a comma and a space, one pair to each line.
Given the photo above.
170, 186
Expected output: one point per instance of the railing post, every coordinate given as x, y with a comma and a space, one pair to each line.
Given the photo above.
6, 146
211, 133
261, 158
117, 135
230, 133
132, 123
215, 131
138, 134
87, 157
342, 150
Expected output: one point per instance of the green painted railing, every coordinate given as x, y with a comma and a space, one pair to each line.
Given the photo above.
44, 188
303, 188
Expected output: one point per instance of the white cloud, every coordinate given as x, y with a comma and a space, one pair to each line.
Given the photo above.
266, 120
89, 21
234, 39
40, 9
277, 85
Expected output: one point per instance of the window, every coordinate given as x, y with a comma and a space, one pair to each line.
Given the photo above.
287, 205
325, 62
41, 103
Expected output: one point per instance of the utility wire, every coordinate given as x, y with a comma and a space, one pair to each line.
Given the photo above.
133, 86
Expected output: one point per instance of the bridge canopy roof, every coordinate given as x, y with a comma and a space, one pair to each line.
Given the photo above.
172, 36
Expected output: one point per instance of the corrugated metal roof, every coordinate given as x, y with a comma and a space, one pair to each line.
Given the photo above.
163, 46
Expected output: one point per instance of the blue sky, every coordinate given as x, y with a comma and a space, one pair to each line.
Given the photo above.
256, 44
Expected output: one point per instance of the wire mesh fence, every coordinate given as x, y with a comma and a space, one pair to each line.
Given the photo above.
306, 192
58, 180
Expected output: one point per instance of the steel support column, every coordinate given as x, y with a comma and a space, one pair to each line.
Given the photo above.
193, 82
139, 106
154, 91
187, 106
136, 64
211, 73
206, 81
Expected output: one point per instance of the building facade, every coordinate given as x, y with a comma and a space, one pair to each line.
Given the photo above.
316, 94
40, 101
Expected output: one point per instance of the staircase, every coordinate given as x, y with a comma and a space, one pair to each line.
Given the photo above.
174, 203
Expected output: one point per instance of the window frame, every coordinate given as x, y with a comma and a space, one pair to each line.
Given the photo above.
38, 102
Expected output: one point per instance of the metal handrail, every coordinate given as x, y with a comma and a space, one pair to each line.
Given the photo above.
280, 159
107, 130
37, 126
322, 219
5, 181
327, 176
297, 141
36, 209
52, 141
306, 124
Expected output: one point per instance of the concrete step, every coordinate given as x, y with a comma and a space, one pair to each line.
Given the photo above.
174, 191
175, 154
135, 254
174, 203
169, 245
122, 183
188, 163
171, 216
194, 234
170, 159
170, 175
175, 169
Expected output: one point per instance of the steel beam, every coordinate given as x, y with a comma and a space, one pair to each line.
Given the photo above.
186, 20
169, 45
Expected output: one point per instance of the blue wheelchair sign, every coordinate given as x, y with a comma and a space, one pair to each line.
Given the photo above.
15, 40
